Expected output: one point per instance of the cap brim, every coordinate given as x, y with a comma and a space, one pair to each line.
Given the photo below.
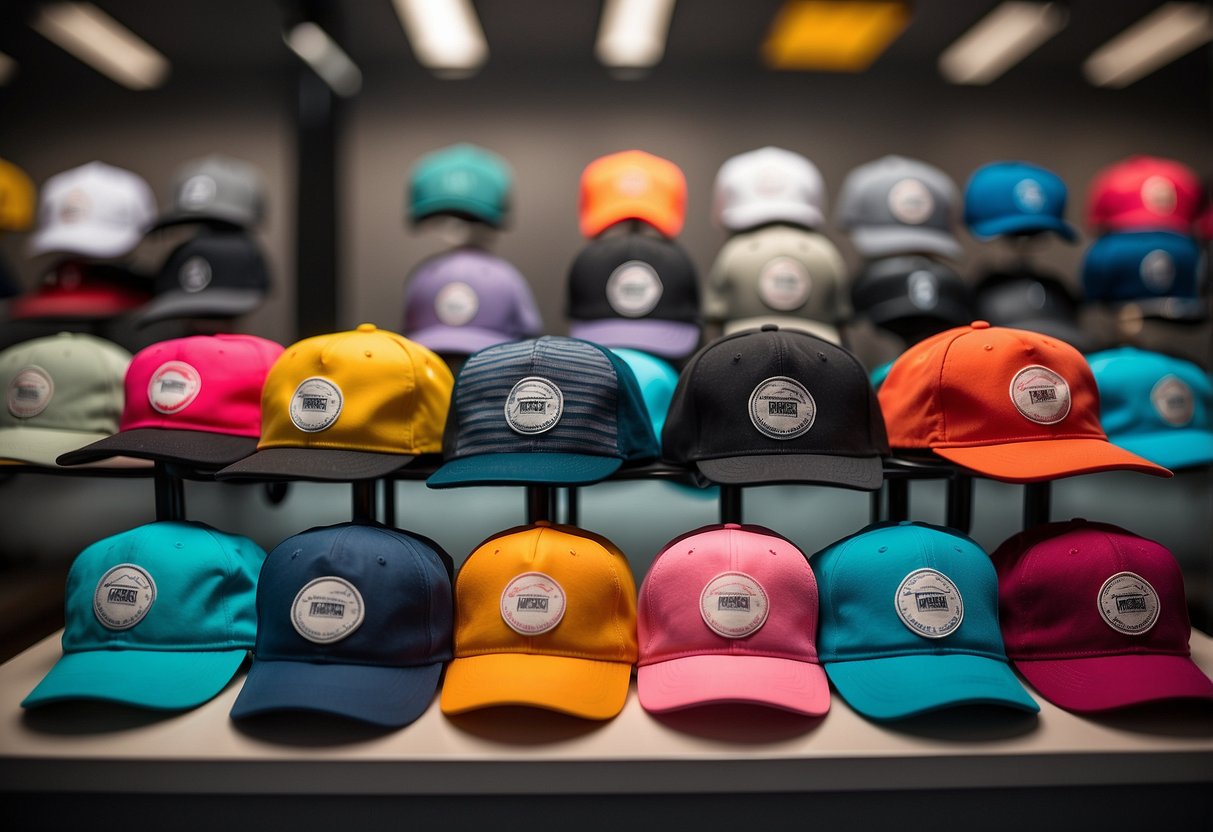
753, 214
209, 303
524, 469
42, 446
595, 221
1105, 683
818, 328
668, 339
84, 239
212, 218
325, 464
389, 696
1047, 459
888, 240
1174, 449
156, 679
467, 209
1023, 224
897, 687
800, 687
901, 308
579, 687
864, 473
458, 340
193, 447
90, 306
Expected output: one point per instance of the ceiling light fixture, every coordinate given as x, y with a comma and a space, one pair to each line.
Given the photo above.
833, 35
1169, 32
632, 34
325, 57
1000, 40
103, 43
446, 35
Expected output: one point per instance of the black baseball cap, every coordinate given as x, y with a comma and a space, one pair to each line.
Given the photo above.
777, 406
1033, 301
217, 275
911, 296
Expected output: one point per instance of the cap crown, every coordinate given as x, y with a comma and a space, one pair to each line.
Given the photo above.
214, 261
1144, 192
1142, 392
491, 295
598, 286
97, 195
464, 180
219, 188
766, 185
1147, 264
630, 185
68, 381
878, 194
1002, 190
656, 379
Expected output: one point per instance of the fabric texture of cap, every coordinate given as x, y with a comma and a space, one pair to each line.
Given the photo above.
1011, 198
95, 210
912, 296
545, 617
348, 406
61, 392
1030, 300
1142, 266
657, 380
1155, 406
217, 190
1144, 193
768, 185
1095, 617
635, 291
219, 275
632, 185
17, 198
1007, 403
550, 411
909, 623
160, 617
193, 400
896, 206
353, 620
781, 275
728, 614
76, 291
777, 405
465, 300
462, 180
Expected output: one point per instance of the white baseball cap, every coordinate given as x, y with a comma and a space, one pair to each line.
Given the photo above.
768, 185
95, 210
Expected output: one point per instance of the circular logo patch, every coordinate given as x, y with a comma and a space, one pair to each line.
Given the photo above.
1158, 271
1173, 400
782, 408
929, 604
911, 202
123, 596
1040, 395
534, 405
633, 289
1029, 196
327, 610
316, 404
76, 206
733, 604
1158, 194
532, 604
1128, 603
173, 387
784, 283
923, 289
30, 392
195, 274
198, 191
456, 304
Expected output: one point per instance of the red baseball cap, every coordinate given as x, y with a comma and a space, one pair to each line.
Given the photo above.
1011, 404
1142, 193
632, 185
80, 291
1095, 617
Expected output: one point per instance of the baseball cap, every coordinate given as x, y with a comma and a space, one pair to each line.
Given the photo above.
1031, 300
1155, 406
159, 616
780, 275
95, 210
729, 614
465, 300
545, 617
1095, 617
1142, 193
550, 410
193, 400
1142, 266
636, 291
353, 620
909, 623
349, 405
16, 198
777, 405
1007, 198
768, 185
911, 296
632, 185
73, 290
220, 275
1007, 403
896, 205
463, 180
216, 189
657, 380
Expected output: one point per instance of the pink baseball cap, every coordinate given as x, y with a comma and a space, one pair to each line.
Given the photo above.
729, 614
1095, 617
1143, 193
194, 400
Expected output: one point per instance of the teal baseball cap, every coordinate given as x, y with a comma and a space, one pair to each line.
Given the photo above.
160, 616
657, 379
1155, 406
462, 180
909, 622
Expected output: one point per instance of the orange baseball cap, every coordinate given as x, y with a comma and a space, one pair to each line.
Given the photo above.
632, 185
1010, 404
545, 617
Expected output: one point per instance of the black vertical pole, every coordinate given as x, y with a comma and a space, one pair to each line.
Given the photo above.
1036, 499
730, 504
540, 503
960, 502
170, 493
364, 500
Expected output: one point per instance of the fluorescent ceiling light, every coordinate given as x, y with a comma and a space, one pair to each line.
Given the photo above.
632, 33
103, 43
1000, 40
1169, 32
833, 35
7, 67
446, 35
322, 54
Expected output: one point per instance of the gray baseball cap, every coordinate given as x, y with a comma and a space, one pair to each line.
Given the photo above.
216, 189
895, 206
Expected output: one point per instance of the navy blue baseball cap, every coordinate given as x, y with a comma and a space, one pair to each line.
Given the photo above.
354, 620
1006, 198
1142, 266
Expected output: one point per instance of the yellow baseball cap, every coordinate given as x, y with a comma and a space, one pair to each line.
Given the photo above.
348, 406
16, 198
545, 617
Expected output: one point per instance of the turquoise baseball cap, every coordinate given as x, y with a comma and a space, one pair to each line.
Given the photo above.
160, 616
657, 380
909, 622
1155, 406
461, 180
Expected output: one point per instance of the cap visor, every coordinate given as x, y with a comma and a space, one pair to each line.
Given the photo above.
902, 686
42, 446
1174, 449
864, 473
458, 340
524, 469
753, 214
818, 328
326, 464
213, 217
1024, 224
901, 308
888, 240
156, 679
90, 241
800, 687
579, 687
1104, 683
423, 209
1047, 459
211, 303
594, 222
92, 305
668, 339
387, 696
193, 447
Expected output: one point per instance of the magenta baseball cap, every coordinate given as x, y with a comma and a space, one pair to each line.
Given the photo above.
194, 400
728, 614
1095, 617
